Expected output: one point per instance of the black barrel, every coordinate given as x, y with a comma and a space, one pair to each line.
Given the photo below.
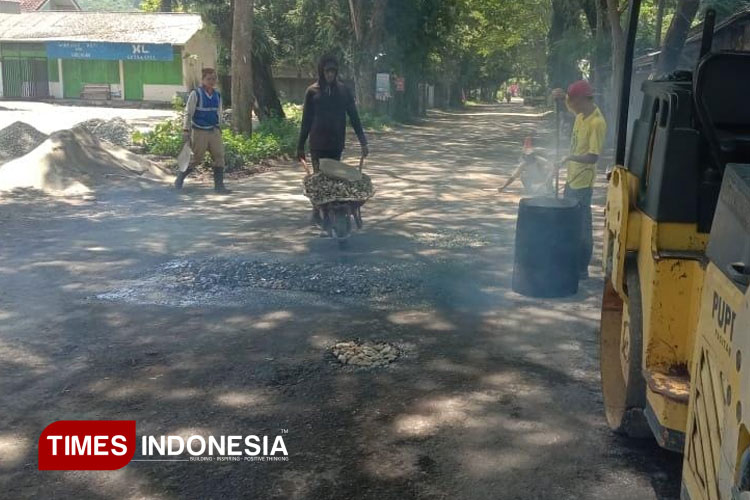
548, 243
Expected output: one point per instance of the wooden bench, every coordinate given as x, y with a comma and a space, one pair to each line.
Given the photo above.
96, 91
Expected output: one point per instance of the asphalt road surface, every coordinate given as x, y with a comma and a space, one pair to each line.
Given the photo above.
199, 314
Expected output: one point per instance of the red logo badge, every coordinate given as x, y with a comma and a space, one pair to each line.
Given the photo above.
87, 445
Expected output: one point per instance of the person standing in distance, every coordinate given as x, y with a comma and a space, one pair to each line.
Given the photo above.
202, 130
586, 144
327, 104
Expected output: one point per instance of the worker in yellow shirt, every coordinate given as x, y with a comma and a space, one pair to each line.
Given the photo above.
586, 144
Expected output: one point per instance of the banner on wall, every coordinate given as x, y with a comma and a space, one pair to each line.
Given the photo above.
110, 51
400, 84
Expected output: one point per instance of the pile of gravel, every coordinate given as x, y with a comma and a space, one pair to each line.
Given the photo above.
116, 131
231, 281
18, 139
322, 189
217, 274
366, 354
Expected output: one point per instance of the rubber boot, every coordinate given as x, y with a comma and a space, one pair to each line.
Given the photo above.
181, 176
219, 181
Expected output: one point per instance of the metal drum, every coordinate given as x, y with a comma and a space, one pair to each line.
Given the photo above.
548, 243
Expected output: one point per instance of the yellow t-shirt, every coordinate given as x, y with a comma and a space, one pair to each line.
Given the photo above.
588, 138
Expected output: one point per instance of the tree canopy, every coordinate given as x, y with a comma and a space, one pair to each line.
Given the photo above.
460, 46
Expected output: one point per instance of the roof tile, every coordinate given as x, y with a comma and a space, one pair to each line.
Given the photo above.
115, 27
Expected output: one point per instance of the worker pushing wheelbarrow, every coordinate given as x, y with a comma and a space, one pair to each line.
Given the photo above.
337, 191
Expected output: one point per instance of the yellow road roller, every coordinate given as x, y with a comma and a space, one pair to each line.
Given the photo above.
675, 322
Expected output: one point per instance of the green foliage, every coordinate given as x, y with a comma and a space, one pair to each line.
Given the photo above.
178, 103
150, 5
293, 112
272, 138
241, 150
375, 121
165, 139
285, 132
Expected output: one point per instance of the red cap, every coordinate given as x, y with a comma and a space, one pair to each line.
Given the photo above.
581, 88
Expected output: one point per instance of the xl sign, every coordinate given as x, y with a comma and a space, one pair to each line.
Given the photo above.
140, 49
110, 51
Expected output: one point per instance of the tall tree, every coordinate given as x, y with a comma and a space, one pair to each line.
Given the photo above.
564, 42
165, 5
676, 36
659, 22
368, 23
614, 16
242, 72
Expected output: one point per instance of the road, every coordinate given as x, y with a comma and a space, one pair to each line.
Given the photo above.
53, 117
194, 313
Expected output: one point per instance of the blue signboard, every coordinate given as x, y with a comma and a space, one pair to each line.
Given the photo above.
110, 51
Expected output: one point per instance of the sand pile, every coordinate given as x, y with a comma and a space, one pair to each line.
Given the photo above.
75, 162
117, 131
17, 139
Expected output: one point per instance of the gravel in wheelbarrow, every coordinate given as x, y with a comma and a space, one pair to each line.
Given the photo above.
322, 189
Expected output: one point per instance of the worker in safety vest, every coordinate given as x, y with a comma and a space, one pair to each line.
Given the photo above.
586, 144
202, 130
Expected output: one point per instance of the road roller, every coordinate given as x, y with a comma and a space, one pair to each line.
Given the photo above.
675, 318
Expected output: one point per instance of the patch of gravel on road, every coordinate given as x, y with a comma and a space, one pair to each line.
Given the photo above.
218, 280
448, 239
117, 131
365, 354
18, 139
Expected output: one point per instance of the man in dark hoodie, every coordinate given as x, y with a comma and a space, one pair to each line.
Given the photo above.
327, 103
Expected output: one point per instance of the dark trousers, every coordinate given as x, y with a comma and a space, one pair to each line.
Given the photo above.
587, 231
316, 155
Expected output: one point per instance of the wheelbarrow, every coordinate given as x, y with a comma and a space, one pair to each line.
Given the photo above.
339, 217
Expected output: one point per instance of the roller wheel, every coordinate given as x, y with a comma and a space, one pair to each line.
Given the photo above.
621, 358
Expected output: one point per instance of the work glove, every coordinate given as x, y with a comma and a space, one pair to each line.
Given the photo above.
365, 150
301, 154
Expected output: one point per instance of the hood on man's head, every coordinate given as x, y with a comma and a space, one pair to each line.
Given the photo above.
326, 61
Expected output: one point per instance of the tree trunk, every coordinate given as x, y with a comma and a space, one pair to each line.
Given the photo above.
368, 35
618, 47
267, 103
364, 81
165, 5
602, 72
676, 35
242, 72
590, 10
561, 67
659, 22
